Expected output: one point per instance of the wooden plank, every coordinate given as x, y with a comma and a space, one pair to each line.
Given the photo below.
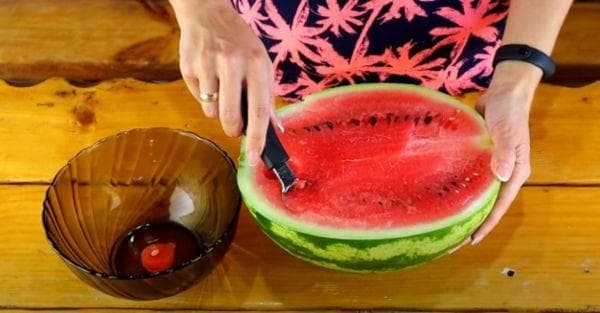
103, 310
44, 125
577, 46
549, 238
89, 39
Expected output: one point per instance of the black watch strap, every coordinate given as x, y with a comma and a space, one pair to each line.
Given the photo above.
525, 53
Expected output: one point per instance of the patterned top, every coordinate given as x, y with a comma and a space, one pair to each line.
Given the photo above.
445, 45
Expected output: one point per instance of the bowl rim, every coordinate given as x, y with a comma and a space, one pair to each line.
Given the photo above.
205, 252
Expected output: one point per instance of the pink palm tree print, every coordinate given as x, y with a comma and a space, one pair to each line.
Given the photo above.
410, 8
316, 44
334, 17
401, 62
295, 39
475, 20
251, 13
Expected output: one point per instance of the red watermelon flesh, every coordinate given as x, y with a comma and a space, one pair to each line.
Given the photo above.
380, 160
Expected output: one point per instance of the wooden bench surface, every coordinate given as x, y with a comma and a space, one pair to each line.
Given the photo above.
564, 125
548, 238
101, 39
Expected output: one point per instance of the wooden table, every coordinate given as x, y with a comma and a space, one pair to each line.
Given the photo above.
550, 237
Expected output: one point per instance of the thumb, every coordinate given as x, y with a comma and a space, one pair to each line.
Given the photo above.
504, 156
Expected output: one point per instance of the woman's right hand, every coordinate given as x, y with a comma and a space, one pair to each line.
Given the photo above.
219, 53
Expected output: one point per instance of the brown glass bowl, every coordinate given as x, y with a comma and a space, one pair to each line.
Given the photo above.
124, 181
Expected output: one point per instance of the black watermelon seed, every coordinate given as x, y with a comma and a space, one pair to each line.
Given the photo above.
396, 119
445, 188
329, 124
440, 194
417, 120
307, 129
453, 183
427, 120
317, 128
355, 122
373, 120
379, 202
389, 117
406, 117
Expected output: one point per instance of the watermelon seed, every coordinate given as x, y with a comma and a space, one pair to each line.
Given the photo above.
406, 117
329, 124
463, 185
317, 128
417, 120
475, 174
307, 129
427, 120
396, 119
355, 122
380, 203
456, 190
440, 194
389, 117
467, 179
453, 183
445, 188
373, 120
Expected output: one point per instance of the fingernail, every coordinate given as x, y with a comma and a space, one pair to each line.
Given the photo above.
252, 158
279, 125
476, 240
503, 172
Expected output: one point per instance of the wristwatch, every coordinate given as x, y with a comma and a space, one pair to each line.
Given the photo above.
525, 53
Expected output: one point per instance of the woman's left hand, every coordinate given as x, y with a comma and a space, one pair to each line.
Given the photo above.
505, 106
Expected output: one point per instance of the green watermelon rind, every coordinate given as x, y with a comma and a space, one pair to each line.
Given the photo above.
378, 255
252, 195
366, 250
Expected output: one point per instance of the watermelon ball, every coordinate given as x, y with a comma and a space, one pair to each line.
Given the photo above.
158, 257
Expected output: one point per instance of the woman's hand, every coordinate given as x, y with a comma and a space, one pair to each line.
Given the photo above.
219, 53
505, 106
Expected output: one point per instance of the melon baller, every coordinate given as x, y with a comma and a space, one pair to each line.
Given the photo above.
274, 155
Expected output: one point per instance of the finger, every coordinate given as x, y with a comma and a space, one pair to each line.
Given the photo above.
507, 196
260, 110
504, 155
192, 84
480, 107
274, 118
208, 84
230, 90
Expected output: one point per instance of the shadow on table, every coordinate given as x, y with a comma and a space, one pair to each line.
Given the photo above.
257, 274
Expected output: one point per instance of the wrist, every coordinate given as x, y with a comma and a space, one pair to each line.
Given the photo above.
516, 77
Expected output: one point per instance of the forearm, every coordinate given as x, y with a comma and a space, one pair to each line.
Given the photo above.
535, 23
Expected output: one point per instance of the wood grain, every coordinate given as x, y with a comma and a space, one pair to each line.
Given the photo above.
91, 40
41, 127
88, 39
546, 238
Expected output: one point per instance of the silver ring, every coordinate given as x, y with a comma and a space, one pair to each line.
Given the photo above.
209, 96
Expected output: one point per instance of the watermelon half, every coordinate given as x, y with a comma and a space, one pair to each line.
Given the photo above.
396, 175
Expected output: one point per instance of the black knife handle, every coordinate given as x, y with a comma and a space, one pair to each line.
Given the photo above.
273, 154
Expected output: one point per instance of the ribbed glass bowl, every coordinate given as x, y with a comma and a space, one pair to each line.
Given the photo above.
133, 178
